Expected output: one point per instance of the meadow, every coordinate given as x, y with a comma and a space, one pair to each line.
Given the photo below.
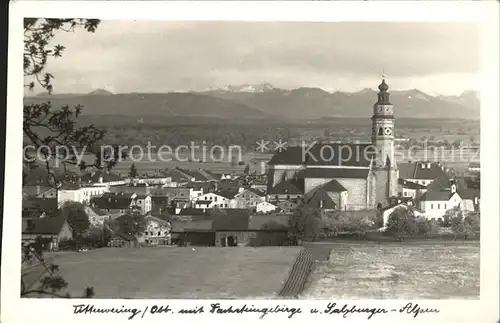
423, 270
172, 272
354, 270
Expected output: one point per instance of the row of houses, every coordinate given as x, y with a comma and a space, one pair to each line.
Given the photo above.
223, 230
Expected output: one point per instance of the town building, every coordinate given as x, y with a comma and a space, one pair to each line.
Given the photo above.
435, 203
220, 199
114, 202
143, 201
422, 172
157, 231
248, 198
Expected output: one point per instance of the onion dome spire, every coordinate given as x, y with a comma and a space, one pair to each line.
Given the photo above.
383, 95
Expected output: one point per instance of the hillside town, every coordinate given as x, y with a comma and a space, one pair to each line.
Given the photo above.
181, 206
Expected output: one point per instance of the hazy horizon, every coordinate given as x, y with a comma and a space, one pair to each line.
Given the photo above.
437, 58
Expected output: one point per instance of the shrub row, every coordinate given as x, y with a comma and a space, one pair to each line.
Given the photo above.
298, 276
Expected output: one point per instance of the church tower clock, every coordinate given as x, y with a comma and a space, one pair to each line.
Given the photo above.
384, 165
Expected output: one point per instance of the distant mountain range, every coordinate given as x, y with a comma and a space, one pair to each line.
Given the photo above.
266, 101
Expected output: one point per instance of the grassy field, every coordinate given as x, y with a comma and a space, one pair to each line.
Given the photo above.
446, 270
223, 273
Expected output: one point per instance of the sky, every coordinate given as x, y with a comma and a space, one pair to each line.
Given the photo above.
160, 56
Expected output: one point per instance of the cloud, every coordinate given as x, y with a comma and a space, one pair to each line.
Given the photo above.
162, 56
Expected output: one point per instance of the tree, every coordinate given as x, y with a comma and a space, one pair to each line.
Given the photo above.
77, 217
133, 171
54, 132
457, 224
426, 227
358, 223
47, 129
472, 224
401, 223
306, 224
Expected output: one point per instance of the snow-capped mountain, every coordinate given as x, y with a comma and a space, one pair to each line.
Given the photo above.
247, 88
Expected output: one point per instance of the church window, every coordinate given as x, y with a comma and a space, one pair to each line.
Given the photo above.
380, 133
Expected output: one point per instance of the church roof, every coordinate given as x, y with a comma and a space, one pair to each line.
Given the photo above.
337, 172
330, 154
417, 171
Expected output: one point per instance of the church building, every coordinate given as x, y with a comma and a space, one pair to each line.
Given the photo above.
341, 176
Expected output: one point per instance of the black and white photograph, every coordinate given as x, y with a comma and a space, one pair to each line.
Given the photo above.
232, 159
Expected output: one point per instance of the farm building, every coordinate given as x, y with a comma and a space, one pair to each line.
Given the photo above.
233, 230
121, 240
246, 230
53, 228
193, 232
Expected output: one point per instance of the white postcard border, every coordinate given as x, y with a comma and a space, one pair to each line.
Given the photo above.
13, 309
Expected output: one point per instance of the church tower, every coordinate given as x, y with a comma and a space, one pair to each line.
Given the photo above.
384, 164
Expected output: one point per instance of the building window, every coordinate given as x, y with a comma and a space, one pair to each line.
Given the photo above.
432, 206
445, 205
438, 206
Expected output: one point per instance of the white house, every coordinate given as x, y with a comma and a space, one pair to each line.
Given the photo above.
143, 201
219, 199
434, 204
80, 194
265, 207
